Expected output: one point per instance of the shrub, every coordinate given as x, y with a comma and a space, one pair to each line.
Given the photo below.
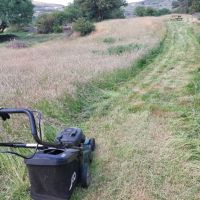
83, 26
109, 40
120, 49
51, 23
57, 29
45, 23
149, 11
60, 18
16, 44
140, 11
163, 11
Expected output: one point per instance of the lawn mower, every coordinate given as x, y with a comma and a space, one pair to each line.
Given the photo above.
56, 168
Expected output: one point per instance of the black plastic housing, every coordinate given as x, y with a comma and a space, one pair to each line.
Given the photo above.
71, 136
53, 174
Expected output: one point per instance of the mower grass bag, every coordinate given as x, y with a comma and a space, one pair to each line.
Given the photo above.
53, 174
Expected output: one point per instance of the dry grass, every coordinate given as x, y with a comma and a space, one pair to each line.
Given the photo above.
48, 70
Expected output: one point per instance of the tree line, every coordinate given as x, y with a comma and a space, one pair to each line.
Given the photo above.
20, 13
15, 12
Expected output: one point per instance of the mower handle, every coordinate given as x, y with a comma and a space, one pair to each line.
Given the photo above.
29, 113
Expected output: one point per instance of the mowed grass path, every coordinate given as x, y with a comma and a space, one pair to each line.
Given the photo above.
139, 155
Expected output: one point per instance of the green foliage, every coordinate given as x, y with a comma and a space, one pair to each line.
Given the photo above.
60, 18
72, 13
149, 11
83, 26
15, 12
57, 29
51, 23
45, 23
115, 14
140, 11
100, 10
186, 6
163, 11
109, 40
120, 49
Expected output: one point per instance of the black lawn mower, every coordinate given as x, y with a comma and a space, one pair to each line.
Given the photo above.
55, 169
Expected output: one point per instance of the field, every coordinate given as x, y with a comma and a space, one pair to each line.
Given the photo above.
134, 86
51, 69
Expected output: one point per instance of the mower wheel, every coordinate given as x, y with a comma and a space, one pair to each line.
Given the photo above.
91, 157
93, 144
85, 176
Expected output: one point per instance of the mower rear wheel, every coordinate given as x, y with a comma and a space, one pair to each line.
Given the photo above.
93, 144
85, 176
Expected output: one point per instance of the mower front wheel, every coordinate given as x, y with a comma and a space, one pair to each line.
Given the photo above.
93, 144
85, 176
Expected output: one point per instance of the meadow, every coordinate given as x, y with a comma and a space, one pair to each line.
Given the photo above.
50, 69
133, 84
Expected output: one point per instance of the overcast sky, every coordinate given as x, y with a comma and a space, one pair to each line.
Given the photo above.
65, 2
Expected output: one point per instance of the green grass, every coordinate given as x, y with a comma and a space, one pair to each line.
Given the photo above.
32, 38
121, 49
109, 40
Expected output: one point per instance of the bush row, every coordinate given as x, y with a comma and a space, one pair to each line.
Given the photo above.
149, 11
54, 22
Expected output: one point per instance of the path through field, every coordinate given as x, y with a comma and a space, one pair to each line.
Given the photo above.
136, 156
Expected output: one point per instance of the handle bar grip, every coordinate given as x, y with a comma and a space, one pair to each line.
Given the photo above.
32, 121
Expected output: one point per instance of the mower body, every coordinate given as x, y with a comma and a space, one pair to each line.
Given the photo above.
56, 168
54, 173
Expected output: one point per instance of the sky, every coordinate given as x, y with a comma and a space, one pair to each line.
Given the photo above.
65, 2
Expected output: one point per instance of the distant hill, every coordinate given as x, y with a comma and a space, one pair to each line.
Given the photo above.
158, 4
41, 8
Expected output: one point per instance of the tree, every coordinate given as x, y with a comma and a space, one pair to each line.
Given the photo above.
72, 13
98, 9
163, 11
196, 6
150, 11
15, 12
140, 11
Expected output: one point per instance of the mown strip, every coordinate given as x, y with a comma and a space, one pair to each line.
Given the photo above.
76, 109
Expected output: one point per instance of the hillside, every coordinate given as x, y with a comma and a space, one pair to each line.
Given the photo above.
157, 4
41, 8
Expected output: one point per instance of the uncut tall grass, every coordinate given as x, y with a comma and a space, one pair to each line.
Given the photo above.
48, 70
